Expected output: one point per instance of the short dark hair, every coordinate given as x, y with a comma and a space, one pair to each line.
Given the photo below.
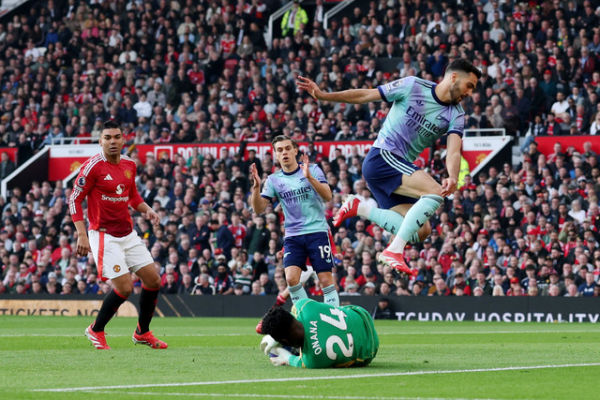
277, 323
281, 138
111, 124
463, 65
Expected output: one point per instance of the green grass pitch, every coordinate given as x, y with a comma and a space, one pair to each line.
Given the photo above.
212, 358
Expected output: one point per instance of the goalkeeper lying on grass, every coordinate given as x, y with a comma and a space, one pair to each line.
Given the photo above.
326, 336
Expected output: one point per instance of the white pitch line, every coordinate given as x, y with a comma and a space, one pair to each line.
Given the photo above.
314, 378
109, 335
274, 396
9, 335
434, 332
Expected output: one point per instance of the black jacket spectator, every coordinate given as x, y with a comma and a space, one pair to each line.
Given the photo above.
257, 239
6, 166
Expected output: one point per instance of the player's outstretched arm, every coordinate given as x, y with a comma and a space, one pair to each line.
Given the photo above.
354, 96
258, 203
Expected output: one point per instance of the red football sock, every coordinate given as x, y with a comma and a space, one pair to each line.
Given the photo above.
280, 300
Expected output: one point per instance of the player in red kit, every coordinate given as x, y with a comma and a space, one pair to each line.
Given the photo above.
108, 182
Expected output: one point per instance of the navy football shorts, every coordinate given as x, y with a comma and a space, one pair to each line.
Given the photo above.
383, 171
314, 246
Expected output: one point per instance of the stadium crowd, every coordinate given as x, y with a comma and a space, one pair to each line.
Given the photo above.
201, 72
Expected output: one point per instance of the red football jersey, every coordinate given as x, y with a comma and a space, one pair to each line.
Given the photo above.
110, 189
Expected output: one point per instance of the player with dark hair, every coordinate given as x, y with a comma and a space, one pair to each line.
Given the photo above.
301, 189
108, 181
421, 113
306, 274
327, 336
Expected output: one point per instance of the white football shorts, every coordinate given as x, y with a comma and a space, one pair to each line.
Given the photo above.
116, 256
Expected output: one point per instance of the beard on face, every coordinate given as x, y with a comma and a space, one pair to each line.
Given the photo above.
455, 95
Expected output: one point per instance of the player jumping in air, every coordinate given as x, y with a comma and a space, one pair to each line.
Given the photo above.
421, 113
327, 336
108, 182
301, 190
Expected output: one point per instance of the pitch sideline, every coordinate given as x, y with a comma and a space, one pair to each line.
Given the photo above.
276, 396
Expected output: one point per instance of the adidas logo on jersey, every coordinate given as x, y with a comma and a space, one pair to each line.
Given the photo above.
108, 178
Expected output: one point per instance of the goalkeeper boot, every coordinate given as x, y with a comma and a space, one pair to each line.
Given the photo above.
97, 338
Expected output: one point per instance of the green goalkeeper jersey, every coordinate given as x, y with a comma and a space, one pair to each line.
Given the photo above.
334, 336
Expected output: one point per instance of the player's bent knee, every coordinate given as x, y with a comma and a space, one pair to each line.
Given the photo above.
292, 275
292, 280
325, 279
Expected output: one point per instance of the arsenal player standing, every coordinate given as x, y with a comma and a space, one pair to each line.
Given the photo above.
108, 182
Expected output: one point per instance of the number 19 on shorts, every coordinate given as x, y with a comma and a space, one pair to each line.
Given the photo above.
325, 252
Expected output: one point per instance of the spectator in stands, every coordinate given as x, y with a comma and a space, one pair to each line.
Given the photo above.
586, 289
384, 309
223, 239
203, 286
294, 20
170, 286
257, 239
439, 288
223, 280
6, 165
595, 126
187, 285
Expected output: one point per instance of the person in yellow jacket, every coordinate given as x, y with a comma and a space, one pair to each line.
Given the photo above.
295, 19
464, 171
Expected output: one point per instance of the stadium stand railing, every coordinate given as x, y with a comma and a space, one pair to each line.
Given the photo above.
335, 10
6, 6
32, 169
272, 18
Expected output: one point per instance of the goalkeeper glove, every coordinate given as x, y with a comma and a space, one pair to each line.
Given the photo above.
282, 357
267, 344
